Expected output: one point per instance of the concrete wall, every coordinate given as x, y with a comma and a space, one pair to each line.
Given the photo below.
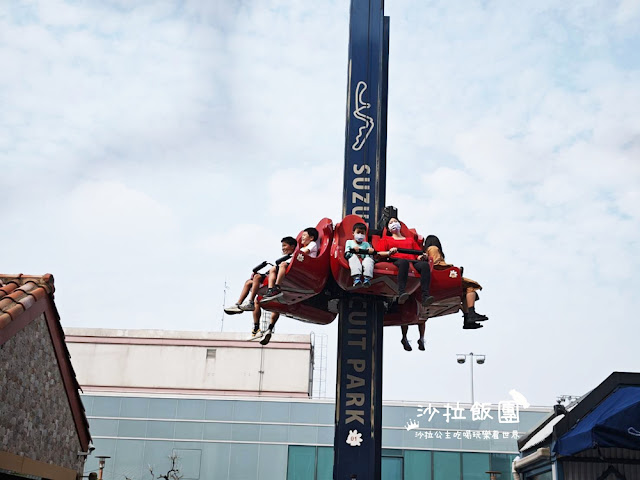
35, 416
188, 361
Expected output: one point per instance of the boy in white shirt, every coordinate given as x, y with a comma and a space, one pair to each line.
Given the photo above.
358, 262
276, 274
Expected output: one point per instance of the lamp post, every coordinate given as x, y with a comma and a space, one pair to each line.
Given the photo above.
479, 358
101, 462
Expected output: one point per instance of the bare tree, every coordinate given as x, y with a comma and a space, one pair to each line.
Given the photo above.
172, 474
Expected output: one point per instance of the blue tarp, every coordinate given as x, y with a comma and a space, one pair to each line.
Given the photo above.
613, 423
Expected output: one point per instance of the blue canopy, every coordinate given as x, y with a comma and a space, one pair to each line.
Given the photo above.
615, 422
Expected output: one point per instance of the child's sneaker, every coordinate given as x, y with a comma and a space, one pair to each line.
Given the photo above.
255, 333
356, 281
233, 310
367, 282
247, 306
267, 336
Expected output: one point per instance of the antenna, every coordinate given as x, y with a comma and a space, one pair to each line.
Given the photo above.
224, 302
319, 343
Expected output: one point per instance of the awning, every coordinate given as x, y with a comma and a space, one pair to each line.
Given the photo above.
615, 422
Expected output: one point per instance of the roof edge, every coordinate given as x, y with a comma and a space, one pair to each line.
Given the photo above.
593, 399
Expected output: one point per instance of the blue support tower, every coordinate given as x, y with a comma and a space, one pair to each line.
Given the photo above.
358, 430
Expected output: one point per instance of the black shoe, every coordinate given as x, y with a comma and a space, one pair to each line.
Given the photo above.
471, 326
428, 300
267, 336
405, 343
475, 317
421, 344
402, 298
272, 294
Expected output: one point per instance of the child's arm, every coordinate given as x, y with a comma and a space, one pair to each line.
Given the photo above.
348, 252
309, 247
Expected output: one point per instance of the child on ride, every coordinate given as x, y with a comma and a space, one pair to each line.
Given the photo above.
289, 244
276, 274
433, 249
358, 262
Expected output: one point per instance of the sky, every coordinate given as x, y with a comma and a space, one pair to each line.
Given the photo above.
152, 152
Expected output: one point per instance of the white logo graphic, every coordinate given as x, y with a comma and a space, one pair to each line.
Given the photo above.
354, 438
365, 130
519, 398
411, 425
453, 274
300, 257
634, 432
508, 412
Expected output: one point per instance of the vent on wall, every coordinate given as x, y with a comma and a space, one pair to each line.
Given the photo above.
211, 353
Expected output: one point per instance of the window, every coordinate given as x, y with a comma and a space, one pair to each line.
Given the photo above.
391, 468
475, 466
501, 462
324, 468
446, 465
302, 463
417, 465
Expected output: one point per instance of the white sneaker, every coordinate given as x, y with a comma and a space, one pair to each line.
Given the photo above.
233, 310
256, 333
247, 306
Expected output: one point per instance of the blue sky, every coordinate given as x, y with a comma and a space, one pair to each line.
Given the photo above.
146, 145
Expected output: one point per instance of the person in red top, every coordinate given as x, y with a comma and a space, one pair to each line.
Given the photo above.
388, 249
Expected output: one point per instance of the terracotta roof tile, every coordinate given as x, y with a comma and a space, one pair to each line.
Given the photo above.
20, 292
7, 289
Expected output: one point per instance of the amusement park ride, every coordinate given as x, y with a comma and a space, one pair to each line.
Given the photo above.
316, 290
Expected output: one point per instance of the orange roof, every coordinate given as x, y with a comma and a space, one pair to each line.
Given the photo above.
19, 292
23, 298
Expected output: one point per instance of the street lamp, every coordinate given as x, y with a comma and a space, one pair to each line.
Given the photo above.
101, 462
480, 359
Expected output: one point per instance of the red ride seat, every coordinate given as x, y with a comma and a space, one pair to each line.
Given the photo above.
385, 274
446, 287
305, 278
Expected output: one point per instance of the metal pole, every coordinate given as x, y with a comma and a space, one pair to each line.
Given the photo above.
472, 397
224, 303
358, 428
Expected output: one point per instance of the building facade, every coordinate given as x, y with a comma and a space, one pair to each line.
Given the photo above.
230, 409
278, 438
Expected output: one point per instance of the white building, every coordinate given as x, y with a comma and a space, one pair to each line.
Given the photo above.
172, 362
